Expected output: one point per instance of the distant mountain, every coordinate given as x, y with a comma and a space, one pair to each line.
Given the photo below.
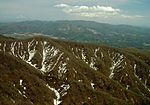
45, 71
84, 31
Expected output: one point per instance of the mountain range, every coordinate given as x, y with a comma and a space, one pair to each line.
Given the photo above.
82, 31
45, 71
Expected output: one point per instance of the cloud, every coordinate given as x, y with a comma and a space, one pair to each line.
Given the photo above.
62, 5
95, 11
131, 17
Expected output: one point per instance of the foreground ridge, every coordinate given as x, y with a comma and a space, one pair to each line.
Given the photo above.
72, 73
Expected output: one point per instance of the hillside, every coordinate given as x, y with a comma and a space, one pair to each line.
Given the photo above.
83, 31
21, 84
45, 71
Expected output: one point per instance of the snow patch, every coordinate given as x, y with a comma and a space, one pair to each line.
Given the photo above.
116, 61
48, 53
44, 57
21, 82
93, 63
57, 100
127, 87
65, 89
24, 89
83, 56
145, 83
13, 100
102, 55
0, 46
75, 70
92, 85
80, 80
57, 61
135, 66
95, 52
13, 48
4, 47
31, 52
62, 69
23, 94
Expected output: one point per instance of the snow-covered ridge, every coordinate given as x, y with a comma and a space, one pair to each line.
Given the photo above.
48, 52
51, 57
28, 51
81, 53
117, 59
59, 66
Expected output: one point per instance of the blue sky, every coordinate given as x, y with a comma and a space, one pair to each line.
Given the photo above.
132, 12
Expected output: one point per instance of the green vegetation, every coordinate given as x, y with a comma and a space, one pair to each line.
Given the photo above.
83, 31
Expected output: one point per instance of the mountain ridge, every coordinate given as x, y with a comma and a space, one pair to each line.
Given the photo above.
83, 31
99, 74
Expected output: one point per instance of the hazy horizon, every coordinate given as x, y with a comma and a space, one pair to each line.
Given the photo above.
116, 12
75, 20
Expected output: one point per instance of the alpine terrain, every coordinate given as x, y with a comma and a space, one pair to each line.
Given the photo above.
46, 71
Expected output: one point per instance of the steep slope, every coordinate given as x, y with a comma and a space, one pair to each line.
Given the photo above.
21, 84
81, 73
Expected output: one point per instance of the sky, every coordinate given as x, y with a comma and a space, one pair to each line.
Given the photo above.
131, 12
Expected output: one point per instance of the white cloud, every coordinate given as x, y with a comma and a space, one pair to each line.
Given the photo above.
95, 11
62, 5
